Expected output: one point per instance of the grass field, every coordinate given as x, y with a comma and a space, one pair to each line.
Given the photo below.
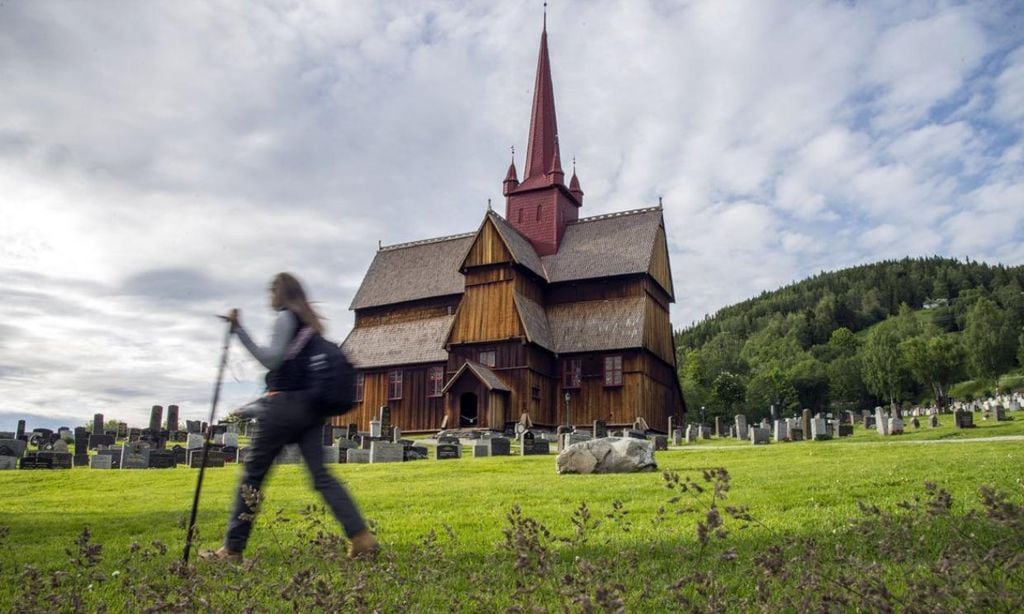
450, 543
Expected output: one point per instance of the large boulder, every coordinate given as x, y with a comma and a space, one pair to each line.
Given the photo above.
607, 455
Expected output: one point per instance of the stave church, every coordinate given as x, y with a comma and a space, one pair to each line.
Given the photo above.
541, 312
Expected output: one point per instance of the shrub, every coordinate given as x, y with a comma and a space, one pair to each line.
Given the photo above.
971, 389
1011, 382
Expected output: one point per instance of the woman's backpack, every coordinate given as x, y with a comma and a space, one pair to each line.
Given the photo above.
329, 376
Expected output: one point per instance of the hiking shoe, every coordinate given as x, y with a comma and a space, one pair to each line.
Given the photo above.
221, 555
363, 545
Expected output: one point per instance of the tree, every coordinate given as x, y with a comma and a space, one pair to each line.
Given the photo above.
882, 365
988, 339
728, 390
810, 381
933, 360
845, 382
771, 386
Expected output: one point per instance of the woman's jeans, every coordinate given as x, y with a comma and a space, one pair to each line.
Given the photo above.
285, 418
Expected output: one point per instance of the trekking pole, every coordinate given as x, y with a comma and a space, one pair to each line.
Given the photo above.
206, 443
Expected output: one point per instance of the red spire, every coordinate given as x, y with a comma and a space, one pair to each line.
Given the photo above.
574, 184
542, 152
511, 179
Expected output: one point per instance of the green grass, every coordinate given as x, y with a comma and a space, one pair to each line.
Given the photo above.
801, 489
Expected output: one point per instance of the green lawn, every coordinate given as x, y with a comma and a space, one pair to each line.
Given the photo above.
794, 490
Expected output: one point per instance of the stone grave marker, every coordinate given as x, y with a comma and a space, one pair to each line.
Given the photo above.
845, 430
101, 461
81, 458
933, 421
819, 430
58, 460
718, 426
95, 441
134, 456
33, 460
356, 455
59, 446
155, 417
180, 455
636, 433
741, 427
230, 453
914, 422
447, 451
498, 446
796, 434
122, 430
375, 429
331, 455
21, 430
805, 424
172, 417
415, 452
12, 447
999, 414
214, 458
194, 441
963, 419
896, 426
881, 422
759, 435
677, 437
8, 463
481, 450
114, 454
690, 435
781, 432
97, 424
134, 435
230, 439
532, 445
660, 443
385, 423
161, 459
386, 452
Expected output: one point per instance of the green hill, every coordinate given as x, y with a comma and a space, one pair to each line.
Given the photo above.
906, 331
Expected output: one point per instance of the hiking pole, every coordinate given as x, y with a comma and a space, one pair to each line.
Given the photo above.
206, 443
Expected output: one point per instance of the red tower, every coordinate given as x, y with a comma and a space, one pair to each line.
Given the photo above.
542, 205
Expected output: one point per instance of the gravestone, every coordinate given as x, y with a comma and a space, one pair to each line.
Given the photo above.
134, 435
963, 419
180, 455
345, 443
97, 424
8, 463
36, 460
161, 459
781, 430
805, 424
881, 422
741, 427
819, 430
172, 417
81, 446
12, 447
155, 417
448, 451
122, 430
59, 446
691, 436
718, 426
481, 450
933, 421
328, 435
385, 423
869, 421
331, 455
101, 461
58, 460
386, 452
95, 441
352, 431
914, 422
194, 441
193, 426
416, 453
999, 414
677, 437
660, 443
134, 456
114, 454
214, 458
896, 426
636, 434
356, 455
230, 439
498, 446
758, 435
531, 445
20, 433
796, 434
375, 429
230, 453
845, 430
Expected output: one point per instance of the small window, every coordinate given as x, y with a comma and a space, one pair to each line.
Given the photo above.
435, 381
488, 358
571, 370
360, 382
394, 385
535, 393
613, 370
538, 213
519, 215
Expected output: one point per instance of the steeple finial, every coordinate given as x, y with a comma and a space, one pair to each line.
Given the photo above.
545, 29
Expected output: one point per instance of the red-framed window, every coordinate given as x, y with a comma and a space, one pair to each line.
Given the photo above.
488, 358
394, 384
435, 381
360, 382
613, 370
571, 370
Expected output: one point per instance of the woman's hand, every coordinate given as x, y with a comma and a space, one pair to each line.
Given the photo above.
232, 318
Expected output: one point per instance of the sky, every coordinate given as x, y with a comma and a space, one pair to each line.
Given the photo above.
161, 161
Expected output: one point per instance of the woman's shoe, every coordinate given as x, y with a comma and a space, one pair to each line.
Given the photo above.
363, 545
221, 555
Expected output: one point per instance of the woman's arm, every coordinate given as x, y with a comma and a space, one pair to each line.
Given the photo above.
272, 356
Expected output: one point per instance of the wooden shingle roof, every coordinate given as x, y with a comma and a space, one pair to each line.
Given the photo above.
522, 251
535, 321
412, 271
597, 326
483, 373
605, 245
401, 343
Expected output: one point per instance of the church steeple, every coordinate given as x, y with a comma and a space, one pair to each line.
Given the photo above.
542, 205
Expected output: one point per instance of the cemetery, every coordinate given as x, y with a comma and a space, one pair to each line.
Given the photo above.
467, 484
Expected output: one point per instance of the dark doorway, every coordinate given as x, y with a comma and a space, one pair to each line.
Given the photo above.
468, 410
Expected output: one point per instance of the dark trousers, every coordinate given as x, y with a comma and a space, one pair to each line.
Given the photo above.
283, 419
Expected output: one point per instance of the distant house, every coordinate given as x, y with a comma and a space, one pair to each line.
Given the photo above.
533, 307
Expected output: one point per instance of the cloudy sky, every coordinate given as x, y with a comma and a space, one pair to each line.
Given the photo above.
160, 161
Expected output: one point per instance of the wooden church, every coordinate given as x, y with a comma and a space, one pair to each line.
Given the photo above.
540, 312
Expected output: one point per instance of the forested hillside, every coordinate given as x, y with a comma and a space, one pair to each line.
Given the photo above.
914, 330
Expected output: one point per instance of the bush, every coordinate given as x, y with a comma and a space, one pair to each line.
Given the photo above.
972, 389
1011, 383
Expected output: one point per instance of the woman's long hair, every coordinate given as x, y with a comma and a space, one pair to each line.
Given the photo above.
290, 295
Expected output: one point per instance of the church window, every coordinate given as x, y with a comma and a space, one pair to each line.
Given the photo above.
394, 385
435, 381
538, 213
488, 358
613, 370
535, 393
360, 382
519, 214
571, 369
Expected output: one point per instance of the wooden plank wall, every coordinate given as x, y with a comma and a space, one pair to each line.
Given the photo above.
487, 248
487, 313
415, 411
416, 310
658, 331
660, 269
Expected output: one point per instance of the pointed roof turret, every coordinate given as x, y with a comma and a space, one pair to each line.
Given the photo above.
542, 152
511, 178
574, 184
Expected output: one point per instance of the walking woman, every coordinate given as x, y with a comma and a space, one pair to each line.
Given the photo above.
285, 417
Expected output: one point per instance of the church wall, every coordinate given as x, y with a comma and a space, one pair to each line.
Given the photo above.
415, 411
487, 248
406, 312
487, 313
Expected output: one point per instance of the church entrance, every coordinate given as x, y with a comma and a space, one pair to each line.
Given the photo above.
468, 410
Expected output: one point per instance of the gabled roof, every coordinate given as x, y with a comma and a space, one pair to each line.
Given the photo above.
402, 343
605, 246
522, 251
412, 271
483, 373
596, 326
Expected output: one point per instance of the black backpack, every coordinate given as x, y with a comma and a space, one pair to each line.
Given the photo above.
329, 376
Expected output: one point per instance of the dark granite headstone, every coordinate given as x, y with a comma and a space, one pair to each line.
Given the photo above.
122, 430
805, 423
500, 446
660, 442
172, 417
636, 434
12, 447
59, 460
933, 421
914, 422
845, 430
135, 456
963, 419
156, 415
134, 435
115, 456
97, 424
213, 459
352, 431
81, 446
180, 455
21, 430
230, 454
328, 435
100, 440
385, 423
414, 453
796, 434
41, 437
530, 445
448, 450
600, 429
194, 426
36, 460
161, 459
